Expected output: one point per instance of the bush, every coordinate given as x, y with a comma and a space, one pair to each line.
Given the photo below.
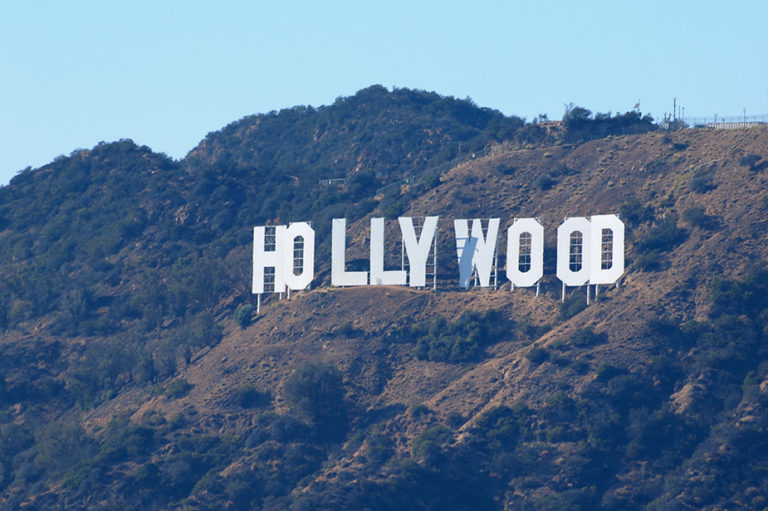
316, 392
701, 182
348, 330
501, 427
178, 388
649, 262
537, 355
664, 236
656, 166
454, 419
605, 371
243, 315
380, 447
507, 170
126, 440
580, 125
573, 304
429, 445
418, 411
634, 213
753, 161
59, 446
544, 182
248, 396
461, 340
587, 337
697, 217
362, 184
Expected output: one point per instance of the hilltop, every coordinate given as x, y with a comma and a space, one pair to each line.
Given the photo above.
134, 374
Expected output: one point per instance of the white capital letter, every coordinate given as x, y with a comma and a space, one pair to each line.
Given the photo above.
263, 259
286, 247
339, 275
525, 269
418, 250
379, 276
573, 251
475, 251
607, 261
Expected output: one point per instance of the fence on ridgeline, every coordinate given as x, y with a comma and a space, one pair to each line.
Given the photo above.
728, 122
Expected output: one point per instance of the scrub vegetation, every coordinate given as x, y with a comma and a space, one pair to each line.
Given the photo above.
136, 374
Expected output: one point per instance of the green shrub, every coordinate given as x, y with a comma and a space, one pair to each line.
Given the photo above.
634, 212
461, 340
587, 337
753, 161
315, 391
14, 438
501, 427
418, 411
649, 262
454, 419
697, 217
664, 236
702, 182
248, 396
348, 330
537, 355
380, 447
580, 124
126, 440
243, 315
544, 182
506, 169
573, 304
606, 371
178, 388
61, 445
656, 166
429, 445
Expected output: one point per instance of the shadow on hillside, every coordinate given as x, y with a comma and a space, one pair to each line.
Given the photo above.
381, 414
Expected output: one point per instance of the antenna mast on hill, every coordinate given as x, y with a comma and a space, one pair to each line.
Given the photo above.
674, 110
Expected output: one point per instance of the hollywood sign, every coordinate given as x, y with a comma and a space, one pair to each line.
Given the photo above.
589, 251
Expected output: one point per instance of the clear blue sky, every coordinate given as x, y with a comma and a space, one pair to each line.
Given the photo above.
166, 73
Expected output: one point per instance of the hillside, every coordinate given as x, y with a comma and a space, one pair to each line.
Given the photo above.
134, 375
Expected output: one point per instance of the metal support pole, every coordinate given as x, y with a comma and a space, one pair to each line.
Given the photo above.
495, 270
258, 303
434, 265
562, 299
402, 256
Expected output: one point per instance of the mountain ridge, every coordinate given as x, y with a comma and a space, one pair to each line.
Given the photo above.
129, 381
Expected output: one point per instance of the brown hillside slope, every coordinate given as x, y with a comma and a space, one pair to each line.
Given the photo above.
671, 173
